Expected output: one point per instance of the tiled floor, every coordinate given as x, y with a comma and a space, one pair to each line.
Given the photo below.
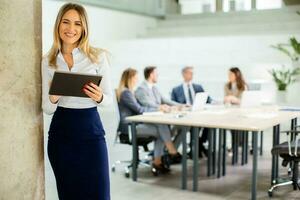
234, 186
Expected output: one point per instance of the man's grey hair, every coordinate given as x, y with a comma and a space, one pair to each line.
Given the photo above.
186, 68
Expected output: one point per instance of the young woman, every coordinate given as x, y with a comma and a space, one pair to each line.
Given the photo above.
129, 106
233, 93
235, 87
76, 145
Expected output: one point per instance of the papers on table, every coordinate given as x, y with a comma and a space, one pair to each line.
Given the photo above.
215, 112
295, 109
153, 113
260, 115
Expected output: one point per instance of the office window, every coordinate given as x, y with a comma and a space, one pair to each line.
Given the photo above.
197, 6
268, 4
236, 5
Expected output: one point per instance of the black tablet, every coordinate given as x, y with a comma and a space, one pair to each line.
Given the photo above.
71, 84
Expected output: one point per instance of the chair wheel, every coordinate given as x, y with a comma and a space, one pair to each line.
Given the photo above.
251, 151
154, 171
289, 171
127, 172
270, 194
113, 168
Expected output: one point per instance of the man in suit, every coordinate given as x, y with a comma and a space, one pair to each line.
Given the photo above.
148, 94
185, 94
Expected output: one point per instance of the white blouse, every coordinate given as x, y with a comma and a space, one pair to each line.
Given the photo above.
82, 64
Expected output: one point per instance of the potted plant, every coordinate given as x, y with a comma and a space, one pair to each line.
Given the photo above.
292, 49
285, 76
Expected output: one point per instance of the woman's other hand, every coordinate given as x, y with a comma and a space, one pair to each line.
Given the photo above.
93, 91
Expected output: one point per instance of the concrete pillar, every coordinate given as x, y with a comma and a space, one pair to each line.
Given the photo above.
253, 4
171, 7
291, 2
219, 5
21, 134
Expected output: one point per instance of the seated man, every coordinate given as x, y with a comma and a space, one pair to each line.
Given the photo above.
149, 96
185, 94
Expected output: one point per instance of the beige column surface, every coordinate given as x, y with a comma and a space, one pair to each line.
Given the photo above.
219, 5
21, 128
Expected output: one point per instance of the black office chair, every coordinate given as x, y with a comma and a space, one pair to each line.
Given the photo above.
142, 141
290, 153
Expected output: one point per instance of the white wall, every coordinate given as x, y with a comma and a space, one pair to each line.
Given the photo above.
106, 26
211, 57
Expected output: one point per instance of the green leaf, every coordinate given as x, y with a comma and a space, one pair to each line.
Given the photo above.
295, 45
292, 49
283, 50
283, 77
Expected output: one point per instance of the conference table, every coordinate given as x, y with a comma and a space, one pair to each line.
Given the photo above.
249, 119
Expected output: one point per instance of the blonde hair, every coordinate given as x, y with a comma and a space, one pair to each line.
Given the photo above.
83, 44
125, 81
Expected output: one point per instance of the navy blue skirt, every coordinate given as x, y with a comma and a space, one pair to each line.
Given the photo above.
78, 154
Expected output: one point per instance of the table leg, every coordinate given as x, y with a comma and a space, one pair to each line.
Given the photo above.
134, 151
214, 151
254, 167
220, 135
238, 136
247, 147
184, 160
274, 157
243, 147
195, 135
277, 157
233, 149
224, 153
261, 142
209, 157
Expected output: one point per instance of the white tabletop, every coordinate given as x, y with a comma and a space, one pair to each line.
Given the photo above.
248, 119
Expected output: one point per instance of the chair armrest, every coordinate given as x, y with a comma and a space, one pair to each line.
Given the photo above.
129, 132
290, 131
296, 146
290, 142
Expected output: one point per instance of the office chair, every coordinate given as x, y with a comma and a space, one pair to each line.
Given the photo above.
142, 141
290, 153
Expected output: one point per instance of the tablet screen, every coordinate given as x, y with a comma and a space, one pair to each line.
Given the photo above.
71, 84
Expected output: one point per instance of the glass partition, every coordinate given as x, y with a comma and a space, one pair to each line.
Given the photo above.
204, 6
155, 8
161, 8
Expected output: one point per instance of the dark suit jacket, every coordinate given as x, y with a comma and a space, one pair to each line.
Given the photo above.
129, 106
178, 93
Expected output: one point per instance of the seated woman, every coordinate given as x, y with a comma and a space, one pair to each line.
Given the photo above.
129, 106
235, 87
233, 91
